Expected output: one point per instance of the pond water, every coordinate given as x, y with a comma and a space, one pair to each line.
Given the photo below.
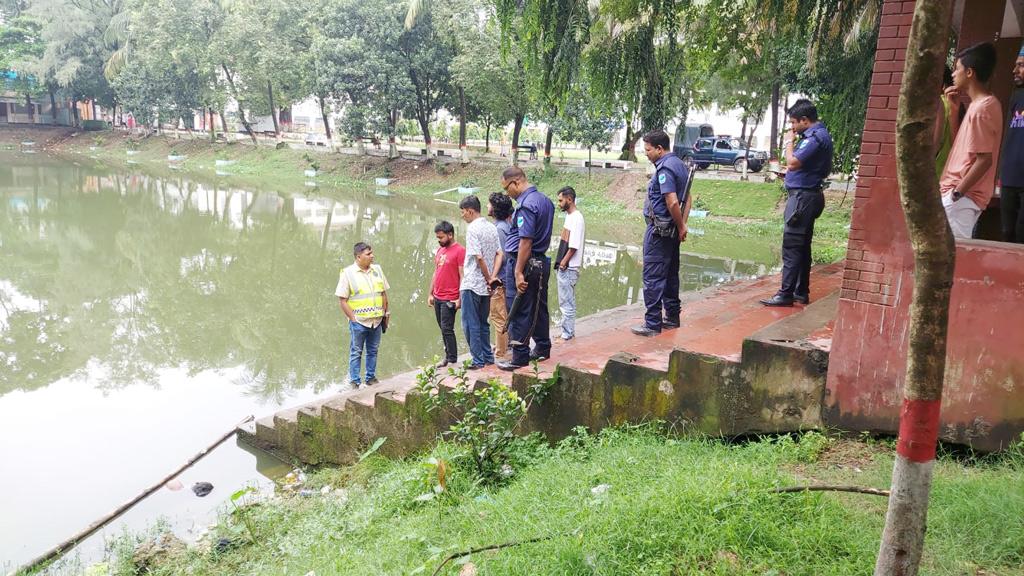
142, 316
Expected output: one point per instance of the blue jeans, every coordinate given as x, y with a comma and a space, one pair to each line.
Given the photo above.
475, 311
363, 337
567, 280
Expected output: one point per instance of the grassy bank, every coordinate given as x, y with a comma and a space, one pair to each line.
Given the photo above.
627, 501
744, 217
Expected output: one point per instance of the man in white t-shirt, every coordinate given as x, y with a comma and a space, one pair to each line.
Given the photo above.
569, 260
481, 263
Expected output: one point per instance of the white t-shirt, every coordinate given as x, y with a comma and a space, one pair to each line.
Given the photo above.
577, 236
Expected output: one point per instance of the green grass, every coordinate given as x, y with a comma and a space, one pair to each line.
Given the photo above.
671, 507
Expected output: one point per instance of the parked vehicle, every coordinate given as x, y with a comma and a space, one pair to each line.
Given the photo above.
727, 151
687, 136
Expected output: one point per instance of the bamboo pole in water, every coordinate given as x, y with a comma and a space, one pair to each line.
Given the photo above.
67, 545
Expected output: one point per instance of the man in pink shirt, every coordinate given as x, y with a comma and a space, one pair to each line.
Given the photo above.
968, 180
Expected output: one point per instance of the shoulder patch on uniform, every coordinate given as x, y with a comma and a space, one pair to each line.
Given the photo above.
802, 143
519, 221
661, 178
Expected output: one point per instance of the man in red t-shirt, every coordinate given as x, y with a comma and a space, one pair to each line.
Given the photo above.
444, 287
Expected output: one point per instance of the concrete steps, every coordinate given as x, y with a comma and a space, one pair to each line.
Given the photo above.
733, 367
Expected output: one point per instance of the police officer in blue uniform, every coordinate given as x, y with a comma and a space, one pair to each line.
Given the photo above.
528, 270
808, 151
666, 209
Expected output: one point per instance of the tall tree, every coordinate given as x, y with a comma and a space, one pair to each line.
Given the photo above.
554, 34
76, 49
637, 62
585, 122
494, 81
934, 259
426, 53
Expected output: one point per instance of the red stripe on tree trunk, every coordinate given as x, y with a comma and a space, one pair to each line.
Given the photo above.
919, 430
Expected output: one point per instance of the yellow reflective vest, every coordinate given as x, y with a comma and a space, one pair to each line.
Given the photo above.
366, 291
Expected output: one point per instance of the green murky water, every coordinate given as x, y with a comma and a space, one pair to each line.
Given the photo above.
143, 316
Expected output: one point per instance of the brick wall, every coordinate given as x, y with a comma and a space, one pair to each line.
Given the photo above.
871, 263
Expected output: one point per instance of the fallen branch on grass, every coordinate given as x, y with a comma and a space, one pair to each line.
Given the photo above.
854, 489
455, 555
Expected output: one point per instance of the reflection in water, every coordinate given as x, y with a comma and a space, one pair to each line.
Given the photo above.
113, 280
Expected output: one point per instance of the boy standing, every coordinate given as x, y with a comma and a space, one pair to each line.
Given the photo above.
968, 181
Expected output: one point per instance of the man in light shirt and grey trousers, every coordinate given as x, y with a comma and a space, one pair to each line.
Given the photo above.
569, 260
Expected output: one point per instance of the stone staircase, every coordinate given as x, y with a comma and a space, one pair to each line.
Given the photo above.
733, 368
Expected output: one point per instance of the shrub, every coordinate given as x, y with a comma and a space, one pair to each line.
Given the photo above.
486, 418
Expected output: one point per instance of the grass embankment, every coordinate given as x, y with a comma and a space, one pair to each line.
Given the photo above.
744, 219
627, 501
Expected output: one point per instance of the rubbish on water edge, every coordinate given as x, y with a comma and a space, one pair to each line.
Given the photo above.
201, 489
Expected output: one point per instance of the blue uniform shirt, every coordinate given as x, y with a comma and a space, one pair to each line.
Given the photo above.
534, 218
814, 151
670, 175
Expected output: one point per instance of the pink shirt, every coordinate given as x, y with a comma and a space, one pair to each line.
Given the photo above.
979, 133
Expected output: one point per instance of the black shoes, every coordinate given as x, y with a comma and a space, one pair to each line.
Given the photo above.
538, 356
778, 301
509, 366
644, 331
444, 363
805, 300
670, 323
372, 381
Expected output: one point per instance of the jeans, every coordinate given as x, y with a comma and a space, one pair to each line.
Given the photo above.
803, 207
498, 318
535, 297
444, 311
1011, 206
363, 337
566, 280
475, 310
661, 279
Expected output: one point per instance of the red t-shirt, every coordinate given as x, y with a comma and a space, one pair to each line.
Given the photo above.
447, 263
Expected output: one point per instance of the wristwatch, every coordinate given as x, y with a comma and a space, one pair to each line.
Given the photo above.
957, 194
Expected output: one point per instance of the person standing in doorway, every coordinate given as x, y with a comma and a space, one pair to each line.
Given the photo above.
499, 207
666, 209
444, 288
482, 260
569, 260
808, 149
363, 294
1011, 177
969, 179
528, 270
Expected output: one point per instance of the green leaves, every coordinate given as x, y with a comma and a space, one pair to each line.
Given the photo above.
486, 417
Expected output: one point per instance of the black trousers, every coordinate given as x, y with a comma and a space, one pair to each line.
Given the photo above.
519, 324
661, 279
444, 311
803, 207
1011, 208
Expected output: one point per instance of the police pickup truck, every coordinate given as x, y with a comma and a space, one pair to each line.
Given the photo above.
726, 151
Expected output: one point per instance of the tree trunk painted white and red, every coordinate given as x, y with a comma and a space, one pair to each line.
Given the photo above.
934, 259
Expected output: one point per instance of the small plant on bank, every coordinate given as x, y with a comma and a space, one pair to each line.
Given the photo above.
313, 163
97, 141
486, 418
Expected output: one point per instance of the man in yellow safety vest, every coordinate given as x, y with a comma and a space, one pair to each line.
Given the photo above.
362, 292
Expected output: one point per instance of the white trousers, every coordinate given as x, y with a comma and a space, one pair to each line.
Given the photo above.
962, 215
